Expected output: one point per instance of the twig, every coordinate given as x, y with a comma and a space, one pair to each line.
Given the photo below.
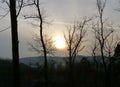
5, 29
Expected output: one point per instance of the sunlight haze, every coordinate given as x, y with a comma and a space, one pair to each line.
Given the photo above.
60, 13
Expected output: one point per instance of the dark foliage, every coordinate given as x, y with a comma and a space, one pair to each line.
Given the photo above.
85, 74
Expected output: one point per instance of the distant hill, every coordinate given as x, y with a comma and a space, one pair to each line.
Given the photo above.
39, 60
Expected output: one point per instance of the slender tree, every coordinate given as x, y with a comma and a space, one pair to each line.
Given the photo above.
102, 32
40, 17
74, 39
95, 52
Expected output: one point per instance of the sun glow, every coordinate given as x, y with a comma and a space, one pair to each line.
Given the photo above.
60, 43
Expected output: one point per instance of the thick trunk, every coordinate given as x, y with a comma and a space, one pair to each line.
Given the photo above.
15, 46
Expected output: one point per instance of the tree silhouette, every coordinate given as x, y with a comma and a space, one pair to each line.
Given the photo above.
102, 32
41, 19
15, 42
15, 47
74, 39
117, 51
37, 45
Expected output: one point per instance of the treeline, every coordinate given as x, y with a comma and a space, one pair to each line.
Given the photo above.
85, 74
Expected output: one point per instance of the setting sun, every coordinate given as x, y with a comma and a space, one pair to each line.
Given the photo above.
60, 43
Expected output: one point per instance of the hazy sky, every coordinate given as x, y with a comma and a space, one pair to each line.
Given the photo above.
61, 12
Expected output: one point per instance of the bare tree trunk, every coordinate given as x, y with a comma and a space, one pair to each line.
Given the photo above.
70, 78
15, 46
45, 56
102, 37
43, 45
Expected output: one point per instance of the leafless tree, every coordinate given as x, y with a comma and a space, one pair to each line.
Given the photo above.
37, 45
103, 32
15, 46
74, 39
95, 52
12, 6
41, 18
109, 42
110, 47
